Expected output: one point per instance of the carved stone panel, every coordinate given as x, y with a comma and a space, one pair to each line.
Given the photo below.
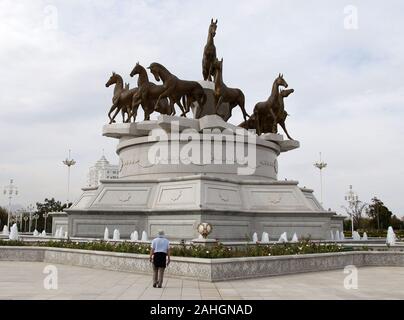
136, 196
176, 195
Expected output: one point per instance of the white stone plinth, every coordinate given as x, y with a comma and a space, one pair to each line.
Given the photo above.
138, 140
179, 191
204, 242
210, 107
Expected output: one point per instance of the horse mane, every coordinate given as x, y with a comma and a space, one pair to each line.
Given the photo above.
156, 64
119, 76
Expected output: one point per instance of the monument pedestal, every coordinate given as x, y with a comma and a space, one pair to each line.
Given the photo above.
205, 242
210, 107
173, 178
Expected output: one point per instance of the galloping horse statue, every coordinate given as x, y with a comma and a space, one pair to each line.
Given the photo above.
209, 53
147, 95
224, 94
265, 108
176, 89
122, 98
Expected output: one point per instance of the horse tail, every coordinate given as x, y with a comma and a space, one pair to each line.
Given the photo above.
241, 97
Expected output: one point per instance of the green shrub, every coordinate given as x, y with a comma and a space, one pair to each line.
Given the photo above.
196, 251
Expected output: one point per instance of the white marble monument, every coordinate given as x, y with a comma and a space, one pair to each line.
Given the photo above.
172, 177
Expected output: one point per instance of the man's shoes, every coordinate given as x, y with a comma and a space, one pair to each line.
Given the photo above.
154, 285
159, 285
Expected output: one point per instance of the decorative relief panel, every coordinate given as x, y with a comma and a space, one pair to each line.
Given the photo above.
222, 195
176, 195
124, 197
278, 199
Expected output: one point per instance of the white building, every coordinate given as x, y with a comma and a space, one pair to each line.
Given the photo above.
100, 171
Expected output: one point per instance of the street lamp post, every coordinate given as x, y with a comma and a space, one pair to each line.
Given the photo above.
30, 209
45, 215
321, 165
10, 190
20, 213
352, 199
68, 162
25, 222
35, 217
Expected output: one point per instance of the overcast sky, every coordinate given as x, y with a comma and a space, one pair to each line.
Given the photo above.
56, 57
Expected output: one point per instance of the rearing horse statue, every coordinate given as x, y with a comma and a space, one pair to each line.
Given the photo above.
175, 89
265, 108
209, 53
147, 94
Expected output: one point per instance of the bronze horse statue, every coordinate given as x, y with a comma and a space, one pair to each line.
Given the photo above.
224, 94
209, 53
281, 113
265, 108
147, 94
270, 122
122, 98
176, 89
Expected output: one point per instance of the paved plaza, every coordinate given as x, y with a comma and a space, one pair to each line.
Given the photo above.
25, 280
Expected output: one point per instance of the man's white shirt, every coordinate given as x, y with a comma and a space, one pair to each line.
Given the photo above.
160, 244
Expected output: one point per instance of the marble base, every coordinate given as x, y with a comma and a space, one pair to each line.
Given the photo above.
210, 107
204, 242
235, 209
178, 193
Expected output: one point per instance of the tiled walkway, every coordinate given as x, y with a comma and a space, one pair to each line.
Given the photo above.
25, 280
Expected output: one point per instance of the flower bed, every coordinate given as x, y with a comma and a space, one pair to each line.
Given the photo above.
196, 251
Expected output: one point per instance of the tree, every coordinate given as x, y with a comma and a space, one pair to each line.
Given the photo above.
396, 223
356, 211
49, 205
380, 214
3, 217
347, 224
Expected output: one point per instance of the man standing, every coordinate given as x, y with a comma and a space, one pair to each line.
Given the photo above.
160, 256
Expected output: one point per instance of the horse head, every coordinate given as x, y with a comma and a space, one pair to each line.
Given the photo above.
156, 68
113, 79
280, 81
136, 70
286, 93
218, 65
212, 27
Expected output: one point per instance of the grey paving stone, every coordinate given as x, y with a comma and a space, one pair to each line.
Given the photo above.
24, 280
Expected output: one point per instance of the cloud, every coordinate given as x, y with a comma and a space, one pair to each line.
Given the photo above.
348, 99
